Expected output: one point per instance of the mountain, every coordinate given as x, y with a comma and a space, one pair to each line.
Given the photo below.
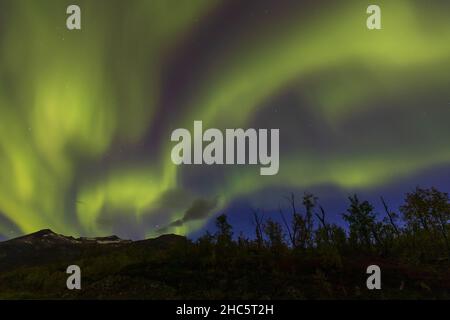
34, 266
47, 237
45, 246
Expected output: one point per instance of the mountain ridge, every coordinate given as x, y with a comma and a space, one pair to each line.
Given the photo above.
51, 236
45, 246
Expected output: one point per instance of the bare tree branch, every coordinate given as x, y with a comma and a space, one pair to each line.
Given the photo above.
291, 238
391, 219
258, 221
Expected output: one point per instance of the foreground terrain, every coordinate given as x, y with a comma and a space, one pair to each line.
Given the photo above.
172, 267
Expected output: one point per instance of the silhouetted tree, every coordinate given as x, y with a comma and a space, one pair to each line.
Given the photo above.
309, 202
300, 230
338, 237
224, 233
275, 235
427, 215
361, 219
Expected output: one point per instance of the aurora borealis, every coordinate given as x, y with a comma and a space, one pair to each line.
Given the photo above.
86, 115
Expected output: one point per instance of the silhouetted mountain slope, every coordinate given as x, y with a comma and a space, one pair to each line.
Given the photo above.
46, 246
47, 237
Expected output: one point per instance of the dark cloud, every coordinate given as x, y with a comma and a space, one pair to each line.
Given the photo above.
199, 209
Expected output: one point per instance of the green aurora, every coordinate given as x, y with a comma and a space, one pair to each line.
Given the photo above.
86, 116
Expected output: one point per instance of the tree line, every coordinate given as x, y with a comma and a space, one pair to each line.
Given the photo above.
417, 232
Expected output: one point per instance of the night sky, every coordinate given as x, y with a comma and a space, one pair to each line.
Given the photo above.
86, 115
